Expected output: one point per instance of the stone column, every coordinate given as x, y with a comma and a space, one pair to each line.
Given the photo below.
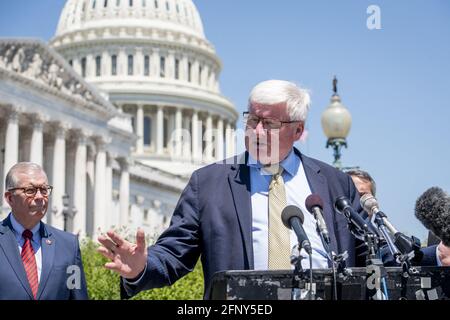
159, 130
11, 141
179, 132
195, 136
124, 191
100, 186
106, 64
186, 145
108, 222
37, 139
138, 63
184, 68
140, 129
154, 63
170, 65
90, 190
209, 138
219, 140
228, 137
59, 174
90, 66
122, 62
79, 190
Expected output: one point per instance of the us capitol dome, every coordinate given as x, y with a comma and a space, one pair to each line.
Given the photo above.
151, 59
119, 108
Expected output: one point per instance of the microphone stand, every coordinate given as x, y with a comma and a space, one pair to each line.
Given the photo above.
374, 265
332, 257
299, 276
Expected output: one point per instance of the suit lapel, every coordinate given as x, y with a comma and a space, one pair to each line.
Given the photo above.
318, 184
48, 255
10, 247
239, 180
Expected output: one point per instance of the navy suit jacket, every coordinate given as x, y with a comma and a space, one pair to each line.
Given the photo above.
59, 251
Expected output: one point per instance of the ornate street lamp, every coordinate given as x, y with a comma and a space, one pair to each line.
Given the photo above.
67, 211
336, 123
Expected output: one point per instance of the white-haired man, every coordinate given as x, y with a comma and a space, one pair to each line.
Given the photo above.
229, 213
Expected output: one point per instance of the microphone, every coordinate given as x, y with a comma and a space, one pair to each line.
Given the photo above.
343, 206
370, 205
433, 210
401, 242
314, 205
293, 218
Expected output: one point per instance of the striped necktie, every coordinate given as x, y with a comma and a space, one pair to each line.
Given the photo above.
29, 262
279, 239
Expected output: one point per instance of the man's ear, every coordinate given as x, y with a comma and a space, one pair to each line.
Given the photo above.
299, 130
8, 197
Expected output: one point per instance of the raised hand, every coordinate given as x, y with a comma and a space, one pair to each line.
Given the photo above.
128, 259
444, 254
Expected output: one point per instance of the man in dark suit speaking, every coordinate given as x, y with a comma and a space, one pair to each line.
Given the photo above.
37, 262
229, 213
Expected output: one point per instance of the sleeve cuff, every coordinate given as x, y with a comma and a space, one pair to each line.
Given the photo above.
439, 263
136, 280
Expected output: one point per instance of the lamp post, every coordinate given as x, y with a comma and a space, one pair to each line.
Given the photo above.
336, 123
67, 211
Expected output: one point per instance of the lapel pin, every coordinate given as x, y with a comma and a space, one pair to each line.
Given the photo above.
48, 241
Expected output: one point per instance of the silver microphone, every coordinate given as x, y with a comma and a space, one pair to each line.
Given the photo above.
370, 205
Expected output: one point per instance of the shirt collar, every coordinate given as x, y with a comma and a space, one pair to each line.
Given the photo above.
290, 164
18, 228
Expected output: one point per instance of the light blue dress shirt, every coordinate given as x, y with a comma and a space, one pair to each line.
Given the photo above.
297, 190
35, 242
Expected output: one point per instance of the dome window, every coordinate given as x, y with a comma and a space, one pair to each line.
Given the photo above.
93, 4
117, 3
162, 67
131, 3
130, 64
147, 130
98, 66
189, 71
83, 67
200, 71
144, 3
156, 4
114, 65
167, 6
178, 8
146, 66
177, 69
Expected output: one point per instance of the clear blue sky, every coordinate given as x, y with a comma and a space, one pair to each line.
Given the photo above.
395, 81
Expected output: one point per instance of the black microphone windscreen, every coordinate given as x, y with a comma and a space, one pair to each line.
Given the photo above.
433, 210
313, 200
289, 212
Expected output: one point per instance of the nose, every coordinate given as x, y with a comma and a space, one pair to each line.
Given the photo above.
259, 129
38, 194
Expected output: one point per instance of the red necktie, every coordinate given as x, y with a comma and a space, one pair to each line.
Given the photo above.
29, 262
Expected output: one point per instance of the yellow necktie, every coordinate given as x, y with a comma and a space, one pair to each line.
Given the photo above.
279, 239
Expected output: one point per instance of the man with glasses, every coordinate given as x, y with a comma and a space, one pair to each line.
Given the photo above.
37, 261
230, 212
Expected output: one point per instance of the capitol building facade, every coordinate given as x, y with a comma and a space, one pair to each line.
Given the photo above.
120, 108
